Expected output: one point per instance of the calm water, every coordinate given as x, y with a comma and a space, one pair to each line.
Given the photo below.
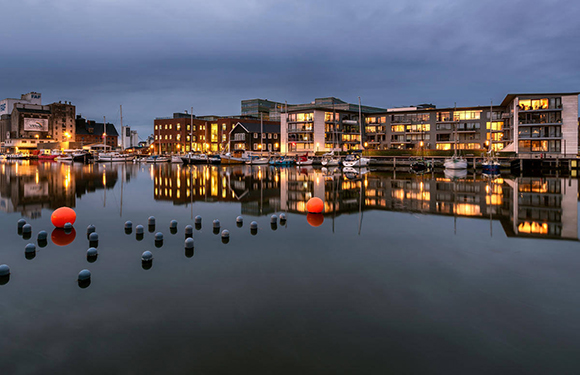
403, 274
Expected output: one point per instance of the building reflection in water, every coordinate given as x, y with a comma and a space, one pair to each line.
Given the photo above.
525, 206
28, 187
528, 207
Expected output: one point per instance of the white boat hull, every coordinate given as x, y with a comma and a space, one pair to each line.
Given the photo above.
258, 161
362, 162
455, 164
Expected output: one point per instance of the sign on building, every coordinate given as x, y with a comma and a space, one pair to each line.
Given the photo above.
35, 124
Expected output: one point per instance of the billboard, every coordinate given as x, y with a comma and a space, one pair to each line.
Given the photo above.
36, 124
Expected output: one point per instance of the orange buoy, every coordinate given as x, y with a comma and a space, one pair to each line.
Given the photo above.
315, 220
63, 215
61, 238
315, 205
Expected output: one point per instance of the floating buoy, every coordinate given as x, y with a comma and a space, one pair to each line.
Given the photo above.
68, 228
4, 270
92, 255
273, 226
26, 231
216, 223
84, 275
147, 260
282, 217
315, 205
30, 248
128, 227
42, 236
273, 219
21, 223
225, 236
61, 238
158, 239
139, 230
239, 221
189, 243
63, 215
254, 228
173, 224
151, 220
197, 220
315, 220
188, 231
94, 239
90, 229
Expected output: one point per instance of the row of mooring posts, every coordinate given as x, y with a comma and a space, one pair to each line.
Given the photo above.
84, 277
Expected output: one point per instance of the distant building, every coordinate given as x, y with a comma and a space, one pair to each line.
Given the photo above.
129, 138
7, 105
268, 109
89, 132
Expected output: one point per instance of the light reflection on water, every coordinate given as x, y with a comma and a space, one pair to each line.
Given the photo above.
403, 273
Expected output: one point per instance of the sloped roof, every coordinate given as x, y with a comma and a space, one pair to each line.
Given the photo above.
252, 127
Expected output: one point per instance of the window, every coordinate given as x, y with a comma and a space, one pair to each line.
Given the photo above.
178, 126
255, 135
263, 135
275, 136
494, 125
466, 115
397, 128
165, 126
255, 146
269, 135
224, 127
224, 138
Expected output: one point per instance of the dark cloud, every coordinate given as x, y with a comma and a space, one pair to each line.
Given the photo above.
156, 58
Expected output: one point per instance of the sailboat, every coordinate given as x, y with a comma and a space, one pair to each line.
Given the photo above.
456, 161
490, 164
261, 160
304, 160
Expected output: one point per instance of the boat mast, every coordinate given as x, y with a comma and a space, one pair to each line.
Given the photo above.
191, 132
359, 124
490, 127
105, 133
455, 123
261, 134
122, 130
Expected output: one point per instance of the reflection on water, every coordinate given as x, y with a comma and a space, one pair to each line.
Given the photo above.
525, 206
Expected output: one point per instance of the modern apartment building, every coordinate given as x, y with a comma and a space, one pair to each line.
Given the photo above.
323, 125
268, 109
533, 124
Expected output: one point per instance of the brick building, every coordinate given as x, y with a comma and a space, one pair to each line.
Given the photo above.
90, 132
210, 134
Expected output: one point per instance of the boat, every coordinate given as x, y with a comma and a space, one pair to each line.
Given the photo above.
456, 161
158, 159
194, 158
355, 160
176, 159
214, 159
237, 157
455, 173
304, 160
49, 156
82, 156
110, 157
329, 160
68, 158
258, 160
282, 161
490, 165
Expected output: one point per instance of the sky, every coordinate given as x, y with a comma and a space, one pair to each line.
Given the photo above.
159, 57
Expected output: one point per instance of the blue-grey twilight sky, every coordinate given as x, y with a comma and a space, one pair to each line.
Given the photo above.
160, 57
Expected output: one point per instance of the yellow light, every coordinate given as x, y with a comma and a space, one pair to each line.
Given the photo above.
366, 144
421, 144
276, 145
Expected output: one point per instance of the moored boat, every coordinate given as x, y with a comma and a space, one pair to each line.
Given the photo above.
114, 157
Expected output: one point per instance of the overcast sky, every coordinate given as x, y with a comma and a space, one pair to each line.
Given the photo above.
160, 57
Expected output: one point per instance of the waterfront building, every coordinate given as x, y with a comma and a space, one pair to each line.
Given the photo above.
129, 138
324, 125
205, 134
26, 124
91, 132
268, 109
251, 136
528, 124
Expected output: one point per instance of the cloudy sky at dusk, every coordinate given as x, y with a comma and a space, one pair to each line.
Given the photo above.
160, 57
